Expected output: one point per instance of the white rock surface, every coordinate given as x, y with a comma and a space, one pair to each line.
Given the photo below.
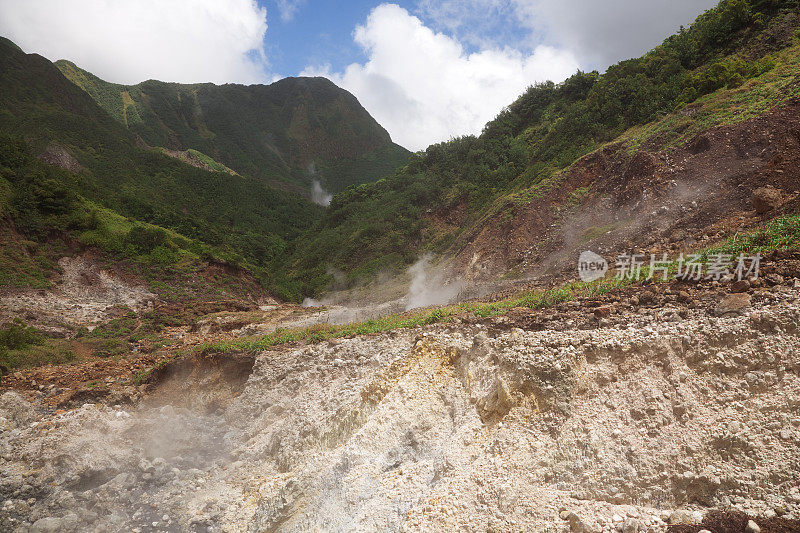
453, 427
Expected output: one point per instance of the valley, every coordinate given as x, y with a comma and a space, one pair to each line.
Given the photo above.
245, 308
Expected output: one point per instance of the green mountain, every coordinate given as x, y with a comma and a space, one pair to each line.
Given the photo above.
292, 131
442, 199
129, 153
117, 194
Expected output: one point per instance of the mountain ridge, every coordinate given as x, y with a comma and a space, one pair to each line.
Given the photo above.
294, 130
738, 57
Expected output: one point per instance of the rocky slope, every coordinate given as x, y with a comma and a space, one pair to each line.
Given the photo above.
653, 200
641, 420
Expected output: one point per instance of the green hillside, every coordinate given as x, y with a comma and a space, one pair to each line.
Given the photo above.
236, 218
275, 132
741, 45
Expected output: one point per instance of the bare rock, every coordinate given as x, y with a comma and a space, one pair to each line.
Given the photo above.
57, 155
775, 279
685, 517
631, 525
733, 304
56, 525
603, 312
766, 199
16, 409
577, 525
752, 527
740, 286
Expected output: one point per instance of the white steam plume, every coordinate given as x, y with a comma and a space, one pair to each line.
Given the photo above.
319, 195
429, 285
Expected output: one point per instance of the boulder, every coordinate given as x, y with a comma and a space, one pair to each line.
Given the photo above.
752, 527
16, 409
766, 199
740, 286
733, 304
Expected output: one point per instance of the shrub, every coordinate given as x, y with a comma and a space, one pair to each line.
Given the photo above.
18, 336
164, 255
145, 239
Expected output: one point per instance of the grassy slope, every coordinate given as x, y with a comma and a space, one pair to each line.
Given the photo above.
735, 62
271, 132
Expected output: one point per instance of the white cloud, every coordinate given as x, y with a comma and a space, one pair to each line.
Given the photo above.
605, 32
482, 23
289, 8
128, 42
599, 33
424, 88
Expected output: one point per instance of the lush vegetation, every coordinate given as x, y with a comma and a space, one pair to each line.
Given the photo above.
274, 133
126, 200
21, 345
387, 224
139, 204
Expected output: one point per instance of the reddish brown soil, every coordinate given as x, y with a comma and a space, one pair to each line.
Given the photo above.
643, 202
735, 522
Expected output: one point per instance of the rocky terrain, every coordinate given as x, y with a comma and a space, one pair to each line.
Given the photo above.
85, 294
445, 372
635, 419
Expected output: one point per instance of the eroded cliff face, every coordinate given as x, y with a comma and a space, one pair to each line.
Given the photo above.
655, 198
626, 426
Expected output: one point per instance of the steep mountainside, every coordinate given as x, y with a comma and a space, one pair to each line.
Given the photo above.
105, 174
560, 151
292, 131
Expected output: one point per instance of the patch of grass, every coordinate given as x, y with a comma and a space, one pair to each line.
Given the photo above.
577, 196
26, 264
18, 336
23, 346
32, 356
322, 332
107, 348
595, 232
781, 233
116, 328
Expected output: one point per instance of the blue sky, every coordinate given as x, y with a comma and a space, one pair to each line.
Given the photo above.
319, 33
427, 70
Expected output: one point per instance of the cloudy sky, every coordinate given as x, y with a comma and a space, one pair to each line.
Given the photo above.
427, 70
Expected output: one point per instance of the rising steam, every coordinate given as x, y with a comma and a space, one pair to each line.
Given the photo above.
319, 195
429, 285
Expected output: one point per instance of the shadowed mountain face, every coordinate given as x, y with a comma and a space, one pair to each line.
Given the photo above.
290, 132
